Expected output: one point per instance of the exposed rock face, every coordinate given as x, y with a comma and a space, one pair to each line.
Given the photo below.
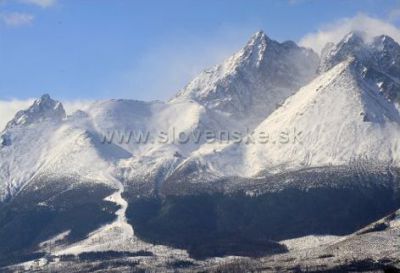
378, 61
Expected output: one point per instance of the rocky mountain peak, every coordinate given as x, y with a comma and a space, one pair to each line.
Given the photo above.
256, 47
351, 46
377, 60
250, 84
44, 108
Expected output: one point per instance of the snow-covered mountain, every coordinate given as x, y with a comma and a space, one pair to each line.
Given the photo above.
347, 113
292, 109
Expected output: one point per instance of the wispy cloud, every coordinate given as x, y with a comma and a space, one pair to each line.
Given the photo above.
8, 109
334, 32
71, 106
40, 3
15, 19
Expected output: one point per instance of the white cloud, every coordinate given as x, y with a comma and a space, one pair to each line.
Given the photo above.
40, 3
336, 31
16, 19
74, 105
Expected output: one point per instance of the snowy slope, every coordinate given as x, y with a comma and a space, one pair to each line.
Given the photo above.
25, 143
43, 141
152, 162
336, 119
341, 118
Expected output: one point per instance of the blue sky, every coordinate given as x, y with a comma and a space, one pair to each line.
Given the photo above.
86, 49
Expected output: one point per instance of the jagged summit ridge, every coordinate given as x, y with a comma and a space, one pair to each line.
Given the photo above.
378, 59
254, 51
43, 108
352, 45
387, 54
249, 85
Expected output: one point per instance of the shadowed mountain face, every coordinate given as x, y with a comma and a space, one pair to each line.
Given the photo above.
39, 213
248, 218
